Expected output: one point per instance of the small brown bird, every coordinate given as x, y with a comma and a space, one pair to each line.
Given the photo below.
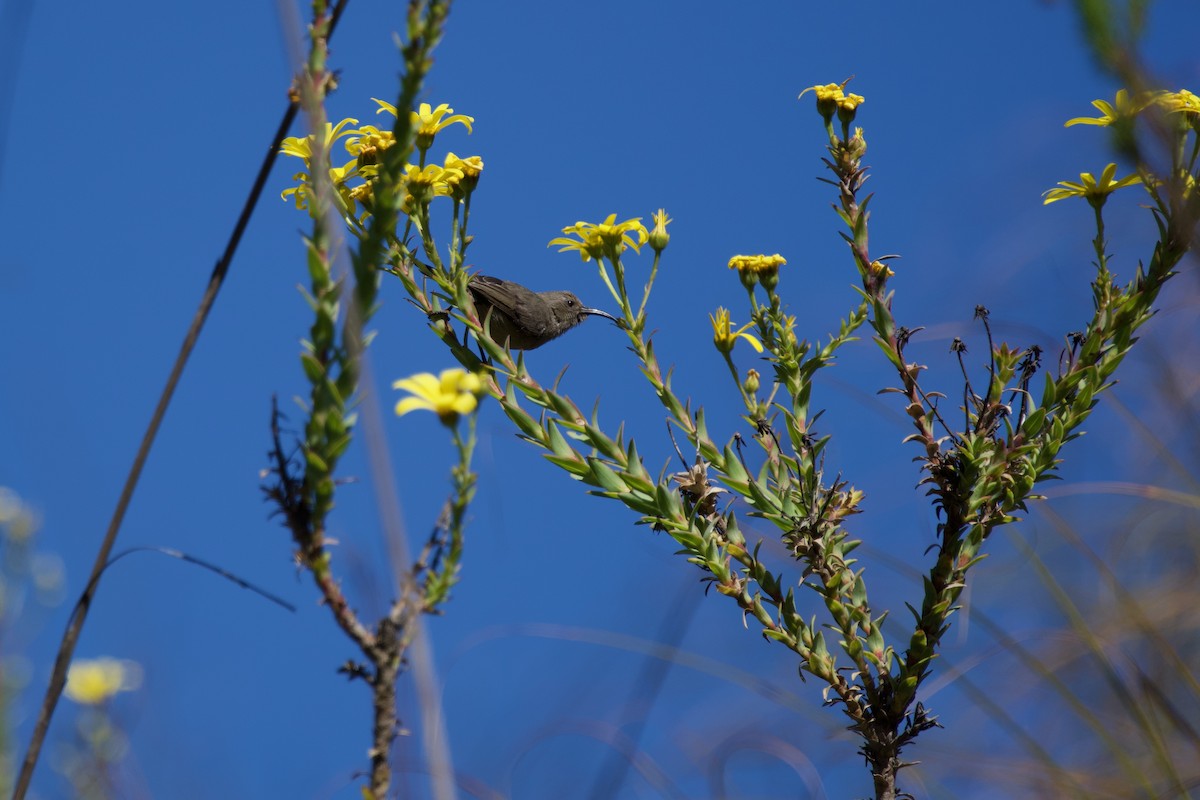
523, 318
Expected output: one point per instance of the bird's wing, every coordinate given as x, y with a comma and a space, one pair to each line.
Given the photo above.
492, 290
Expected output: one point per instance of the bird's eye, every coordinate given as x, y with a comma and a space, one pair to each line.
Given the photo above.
570, 302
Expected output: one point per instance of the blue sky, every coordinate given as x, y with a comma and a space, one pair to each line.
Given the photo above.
133, 134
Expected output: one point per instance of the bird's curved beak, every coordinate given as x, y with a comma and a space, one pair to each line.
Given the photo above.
595, 312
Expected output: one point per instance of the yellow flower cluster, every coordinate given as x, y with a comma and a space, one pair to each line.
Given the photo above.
456, 179
1122, 111
832, 98
760, 268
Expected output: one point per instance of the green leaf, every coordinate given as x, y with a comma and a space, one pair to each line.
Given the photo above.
576, 466
558, 445
604, 477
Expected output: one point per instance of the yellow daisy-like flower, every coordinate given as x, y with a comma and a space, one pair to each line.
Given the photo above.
93, 681
608, 238
428, 122
367, 143
301, 146
337, 175
1094, 191
453, 393
425, 183
659, 237
470, 167
1122, 107
462, 174
725, 337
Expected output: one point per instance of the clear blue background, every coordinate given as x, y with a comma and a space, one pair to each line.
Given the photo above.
133, 135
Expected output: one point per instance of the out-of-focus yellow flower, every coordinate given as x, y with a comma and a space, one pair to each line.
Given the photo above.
608, 238
453, 393
93, 681
302, 147
302, 190
364, 195
659, 238
1181, 102
1093, 190
17, 520
725, 337
1122, 107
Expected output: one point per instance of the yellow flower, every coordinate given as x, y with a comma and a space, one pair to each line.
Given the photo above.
431, 181
725, 337
337, 175
608, 238
752, 269
850, 102
364, 195
828, 93
92, 681
449, 395
880, 268
1094, 191
848, 105
1181, 102
429, 122
1123, 107
828, 98
659, 237
301, 146
471, 166
468, 171
367, 143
